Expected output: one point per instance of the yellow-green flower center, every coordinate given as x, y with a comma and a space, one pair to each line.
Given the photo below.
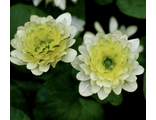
108, 63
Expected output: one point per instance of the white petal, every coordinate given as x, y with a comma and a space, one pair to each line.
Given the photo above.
95, 87
135, 44
131, 30
36, 71
31, 65
76, 63
66, 16
117, 90
139, 49
99, 83
83, 49
71, 54
98, 27
85, 88
113, 24
107, 90
123, 29
55, 62
44, 68
106, 84
130, 86
63, 4
131, 78
71, 30
70, 43
138, 71
57, 2
125, 76
82, 76
15, 52
33, 18
102, 94
88, 35
17, 61
93, 76
36, 2
86, 69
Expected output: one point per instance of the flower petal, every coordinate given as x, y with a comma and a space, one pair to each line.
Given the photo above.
113, 24
66, 16
70, 43
36, 2
31, 65
107, 90
36, 71
76, 63
86, 69
33, 18
117, 90
71, 30
95, 87
135, 44
93, 76
131, 78
88, 35
85, 88
102, 94
131, 30
82, 76
44, 68
71, 54
98, 27
17, 61
130, 86
83, 50
138, 71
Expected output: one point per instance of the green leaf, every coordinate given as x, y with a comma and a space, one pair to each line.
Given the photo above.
142, 55
20, 14
133, 8
115, 99
60, 100
17, 99
77, 9
144, 85
112, 98
104, 2
16, 114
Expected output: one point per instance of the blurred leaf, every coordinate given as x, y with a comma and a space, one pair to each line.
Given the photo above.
16, 114
17, 99
20, 14
112, 98
133, 8
115, 99
77, 9
142, 55
59, 99
104, 2
144, 85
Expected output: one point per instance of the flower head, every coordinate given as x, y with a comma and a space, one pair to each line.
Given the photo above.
107, 62
43, 42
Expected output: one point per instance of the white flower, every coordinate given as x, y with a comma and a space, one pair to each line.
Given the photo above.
59, 3
43, 42
79, 23
107, 62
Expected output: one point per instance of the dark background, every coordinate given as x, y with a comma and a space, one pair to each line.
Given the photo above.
133, 106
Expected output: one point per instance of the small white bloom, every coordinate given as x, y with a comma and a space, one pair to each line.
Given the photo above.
79, 23
107, 62
43, 42
59, 3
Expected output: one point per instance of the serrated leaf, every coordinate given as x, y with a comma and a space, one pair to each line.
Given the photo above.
16, 114
133, 8
59, 100
104, 2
